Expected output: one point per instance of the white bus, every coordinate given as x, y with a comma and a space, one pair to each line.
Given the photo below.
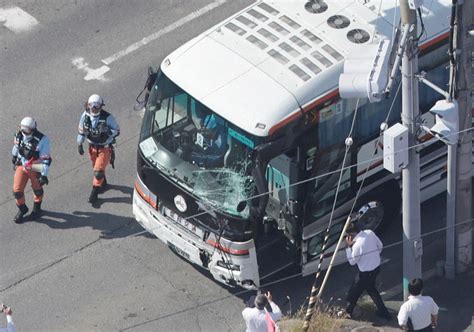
244, 111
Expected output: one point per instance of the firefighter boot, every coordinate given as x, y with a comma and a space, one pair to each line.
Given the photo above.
19, 217
103, 187
94, 195
36, 211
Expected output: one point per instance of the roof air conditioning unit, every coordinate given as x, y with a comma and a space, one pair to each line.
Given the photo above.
316, 6
338, 22
358, 36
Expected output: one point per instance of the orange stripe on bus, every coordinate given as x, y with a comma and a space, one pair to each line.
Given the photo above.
335, 93
436, 40
331, 95
371, 167
228, 250
321, 100
425, 137
143, 195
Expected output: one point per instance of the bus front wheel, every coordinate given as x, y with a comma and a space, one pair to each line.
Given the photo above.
378, 208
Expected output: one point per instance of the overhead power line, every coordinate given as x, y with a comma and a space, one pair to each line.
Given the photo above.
274, 282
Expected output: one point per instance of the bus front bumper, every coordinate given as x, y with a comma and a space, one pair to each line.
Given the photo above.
236, 270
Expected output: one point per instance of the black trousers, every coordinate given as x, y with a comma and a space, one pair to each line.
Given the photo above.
426, 329
365, 281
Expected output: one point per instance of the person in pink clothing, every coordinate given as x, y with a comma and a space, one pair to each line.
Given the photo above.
8, 313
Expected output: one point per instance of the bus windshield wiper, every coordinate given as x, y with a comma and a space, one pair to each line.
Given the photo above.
175, 175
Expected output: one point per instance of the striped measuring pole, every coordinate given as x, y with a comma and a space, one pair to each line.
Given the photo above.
315, 289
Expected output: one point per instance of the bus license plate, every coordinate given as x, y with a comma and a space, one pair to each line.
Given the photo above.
177, 250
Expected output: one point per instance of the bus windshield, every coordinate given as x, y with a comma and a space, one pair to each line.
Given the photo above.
197, 149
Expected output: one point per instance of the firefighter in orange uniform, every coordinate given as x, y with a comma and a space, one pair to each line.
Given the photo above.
31, 160
100, 129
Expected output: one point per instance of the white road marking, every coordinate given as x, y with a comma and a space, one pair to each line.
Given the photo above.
163, 31
91, 74
98, 74
17, 20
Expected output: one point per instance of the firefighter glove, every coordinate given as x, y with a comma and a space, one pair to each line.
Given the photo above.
43, 180
80, 149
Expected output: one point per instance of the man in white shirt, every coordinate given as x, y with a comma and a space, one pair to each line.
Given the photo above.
8, 313
363, 249
422, 311
258, 319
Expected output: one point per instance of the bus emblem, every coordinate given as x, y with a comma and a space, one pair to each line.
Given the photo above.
180, 203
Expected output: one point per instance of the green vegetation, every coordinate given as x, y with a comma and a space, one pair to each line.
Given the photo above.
324, 320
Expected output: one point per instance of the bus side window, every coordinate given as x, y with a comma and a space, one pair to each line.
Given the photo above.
197, 115
315, 244
173, 109
338, 115
324, 191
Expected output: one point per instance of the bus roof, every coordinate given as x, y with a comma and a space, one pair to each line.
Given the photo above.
263, 65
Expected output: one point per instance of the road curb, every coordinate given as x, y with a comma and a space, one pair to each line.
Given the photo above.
395, 290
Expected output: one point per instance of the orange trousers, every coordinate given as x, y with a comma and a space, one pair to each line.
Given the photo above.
19, 183
100, 157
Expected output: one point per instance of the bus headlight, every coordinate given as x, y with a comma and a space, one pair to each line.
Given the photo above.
229, 266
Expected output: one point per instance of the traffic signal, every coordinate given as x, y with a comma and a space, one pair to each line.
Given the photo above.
366, 72
447, 121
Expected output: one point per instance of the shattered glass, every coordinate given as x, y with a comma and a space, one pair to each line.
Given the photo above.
198, 150
224, 188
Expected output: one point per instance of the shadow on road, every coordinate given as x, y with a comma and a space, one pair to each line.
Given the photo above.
111, 226
123, 189
128, 191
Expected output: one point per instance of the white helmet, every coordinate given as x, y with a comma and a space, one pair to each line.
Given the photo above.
95, 101
27, 125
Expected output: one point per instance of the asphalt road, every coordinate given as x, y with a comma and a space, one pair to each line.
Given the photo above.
78, 268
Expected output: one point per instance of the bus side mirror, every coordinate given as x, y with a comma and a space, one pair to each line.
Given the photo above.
152, 75
151, 71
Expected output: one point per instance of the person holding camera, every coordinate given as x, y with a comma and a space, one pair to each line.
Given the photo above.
8, 313
364, 248
258, 318
31, 159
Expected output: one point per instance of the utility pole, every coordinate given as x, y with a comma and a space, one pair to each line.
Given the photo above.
412, 245
450, 263
449, 266
464, 87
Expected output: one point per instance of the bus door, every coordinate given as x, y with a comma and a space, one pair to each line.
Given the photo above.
319, 205
278, 239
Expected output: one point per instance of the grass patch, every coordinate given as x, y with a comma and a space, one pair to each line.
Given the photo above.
365, 309
324, 320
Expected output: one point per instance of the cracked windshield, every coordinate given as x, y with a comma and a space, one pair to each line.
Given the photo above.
197, 149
